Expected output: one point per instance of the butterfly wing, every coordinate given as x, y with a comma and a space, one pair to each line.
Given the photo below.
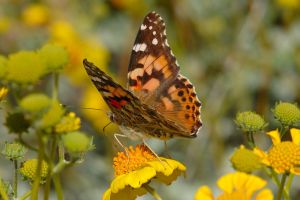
153, 75
152, 66
121, 102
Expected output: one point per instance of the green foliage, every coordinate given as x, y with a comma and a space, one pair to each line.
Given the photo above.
17, 122
32, 114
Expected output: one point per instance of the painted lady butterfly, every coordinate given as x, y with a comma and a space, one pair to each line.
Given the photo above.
159, 102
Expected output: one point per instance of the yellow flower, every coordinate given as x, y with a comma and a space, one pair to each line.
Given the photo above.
283, 156
3, 93
5, 24
29, 167
64, 33
53, 115
135, 170
288, 4
68, 123
35, 102
36, 15
24, 67
244, 160
98, 118
237, 186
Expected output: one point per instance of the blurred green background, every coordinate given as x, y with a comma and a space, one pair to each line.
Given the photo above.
240, 55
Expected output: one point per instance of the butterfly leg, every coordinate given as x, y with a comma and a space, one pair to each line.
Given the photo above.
116, 135
145, 143
166, 149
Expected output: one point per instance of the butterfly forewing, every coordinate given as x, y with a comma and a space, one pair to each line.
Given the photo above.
153, 75
152, 65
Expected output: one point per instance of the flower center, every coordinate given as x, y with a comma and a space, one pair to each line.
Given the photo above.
135, 158
284, 156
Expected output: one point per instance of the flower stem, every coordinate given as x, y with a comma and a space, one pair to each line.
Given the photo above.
58, 187
3, 193
36, 183
250, 139
55, 88
49, 175
152, 192
26, 195
275, 179
15, 178
281, 188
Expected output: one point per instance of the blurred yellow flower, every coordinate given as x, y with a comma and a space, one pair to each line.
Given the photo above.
283, 156
288, 4
94, 109
24, 67
136, 169
53, 115
3, 93
4, 24
237, 186
36, 15
62, 32
68, 123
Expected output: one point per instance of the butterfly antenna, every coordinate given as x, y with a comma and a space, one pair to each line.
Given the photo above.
87, 108
103, 130
84, 108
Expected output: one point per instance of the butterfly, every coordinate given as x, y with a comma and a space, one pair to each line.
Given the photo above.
159, 102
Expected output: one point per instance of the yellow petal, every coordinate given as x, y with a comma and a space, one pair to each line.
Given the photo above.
127, 193
240, 179
265, 194
106, 195
135, 179
295, 133
260, 153
167, 170
225, 183
275, 136
253, 184
295, 170
204, 193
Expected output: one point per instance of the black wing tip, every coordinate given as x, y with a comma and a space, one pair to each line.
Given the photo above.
152, 14
86, 62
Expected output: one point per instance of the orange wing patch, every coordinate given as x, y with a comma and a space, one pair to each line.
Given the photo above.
181, 105
149, 74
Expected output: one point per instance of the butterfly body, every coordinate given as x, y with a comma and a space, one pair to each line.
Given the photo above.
159, 102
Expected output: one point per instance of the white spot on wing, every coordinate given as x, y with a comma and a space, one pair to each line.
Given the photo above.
154, 32
143, 27
172, 53
139, 47
143, 47
166, 42
150, 27
155, 41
